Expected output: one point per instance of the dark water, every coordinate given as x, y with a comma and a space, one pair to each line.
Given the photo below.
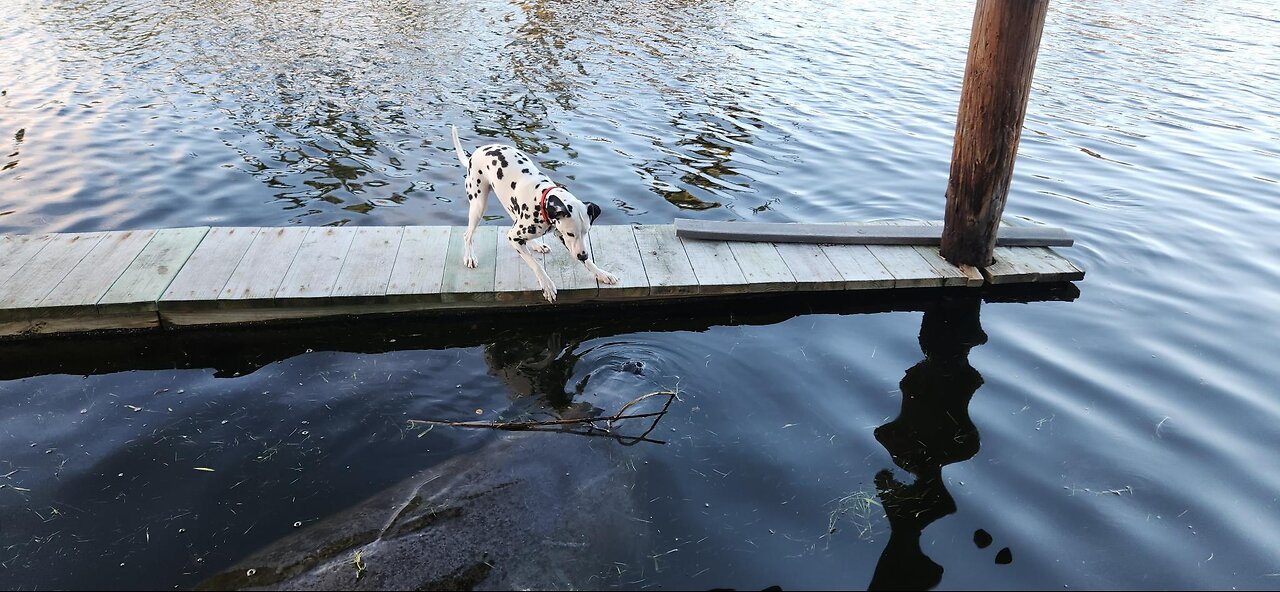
1124, 437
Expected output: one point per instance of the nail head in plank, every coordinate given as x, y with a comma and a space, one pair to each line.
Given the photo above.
810, 266
42, 272
715, 267
90, 279
315, 268
461, 283
762, 267
211, 265
420, 262
367, 270
264, 265
614, 249
151, 272
15, 251
514, 280
665, 261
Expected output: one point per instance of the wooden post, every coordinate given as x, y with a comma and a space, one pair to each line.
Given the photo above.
997, 82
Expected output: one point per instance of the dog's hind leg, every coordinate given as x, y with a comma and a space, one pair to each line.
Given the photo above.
521, 246
477, 198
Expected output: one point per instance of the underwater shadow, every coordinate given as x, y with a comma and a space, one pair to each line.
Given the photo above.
932, 430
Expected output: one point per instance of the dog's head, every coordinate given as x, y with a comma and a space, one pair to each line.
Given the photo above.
572, 220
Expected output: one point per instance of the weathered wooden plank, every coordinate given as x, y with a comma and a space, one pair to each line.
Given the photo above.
367, 270
572, 279
461, 283
314, 270
211, 265
42, 272
264, 264
1011, 266
715, 266
810, 266
420, 262
856, 234
78, 322
91, 278
665, 262
514, 280
762, 267
149, 275
859, 268
1056, 268
909, 268
15, 251
614, 249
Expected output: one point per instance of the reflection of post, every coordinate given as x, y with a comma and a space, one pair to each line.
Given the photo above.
932, 430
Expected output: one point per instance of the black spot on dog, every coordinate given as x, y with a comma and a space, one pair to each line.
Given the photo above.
513, 184
525, 171
520, 241
499, 174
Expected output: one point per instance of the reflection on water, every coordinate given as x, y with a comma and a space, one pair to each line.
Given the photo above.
932, 430
295, 428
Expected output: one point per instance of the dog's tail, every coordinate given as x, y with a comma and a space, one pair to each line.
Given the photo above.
457, 146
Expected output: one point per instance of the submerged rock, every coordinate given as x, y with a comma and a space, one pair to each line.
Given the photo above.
529, 511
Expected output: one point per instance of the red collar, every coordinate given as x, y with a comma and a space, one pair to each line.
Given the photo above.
543, 203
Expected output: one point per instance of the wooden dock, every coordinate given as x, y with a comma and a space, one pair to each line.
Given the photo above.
68, 283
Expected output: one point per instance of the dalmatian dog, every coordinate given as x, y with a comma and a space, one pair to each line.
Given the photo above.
536, 206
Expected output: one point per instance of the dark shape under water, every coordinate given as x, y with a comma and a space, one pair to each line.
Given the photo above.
528, 511
932, 430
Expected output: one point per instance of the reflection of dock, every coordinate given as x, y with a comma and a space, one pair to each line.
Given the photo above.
61, 283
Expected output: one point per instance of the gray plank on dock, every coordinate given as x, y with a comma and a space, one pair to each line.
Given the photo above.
15, 251
369, 263
93, 276
857, 234
211, 265
140, 286
860, 269
715, 266
665, 262
762, 267
464, 284
614, 249
420, 261
810, 266
262, 268
314, 270
26, 287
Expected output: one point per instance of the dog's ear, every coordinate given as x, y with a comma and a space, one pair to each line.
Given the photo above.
593, 211
556, 208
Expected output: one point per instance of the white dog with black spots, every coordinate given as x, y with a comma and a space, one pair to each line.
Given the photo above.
536, 206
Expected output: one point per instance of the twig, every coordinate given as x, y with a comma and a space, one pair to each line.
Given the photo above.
590, 423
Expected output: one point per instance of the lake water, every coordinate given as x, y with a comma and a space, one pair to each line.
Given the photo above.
1124, 436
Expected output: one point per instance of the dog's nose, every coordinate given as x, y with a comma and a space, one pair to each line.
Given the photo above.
582, 256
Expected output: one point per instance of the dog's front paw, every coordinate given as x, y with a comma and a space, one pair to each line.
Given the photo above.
549, 292
607, 278
541, 248
469, 261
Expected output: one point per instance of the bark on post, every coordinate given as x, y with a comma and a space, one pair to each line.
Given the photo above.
997, 82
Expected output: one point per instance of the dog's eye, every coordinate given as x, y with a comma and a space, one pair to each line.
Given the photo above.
570, 234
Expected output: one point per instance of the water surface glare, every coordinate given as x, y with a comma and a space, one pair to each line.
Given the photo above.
1119, 437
